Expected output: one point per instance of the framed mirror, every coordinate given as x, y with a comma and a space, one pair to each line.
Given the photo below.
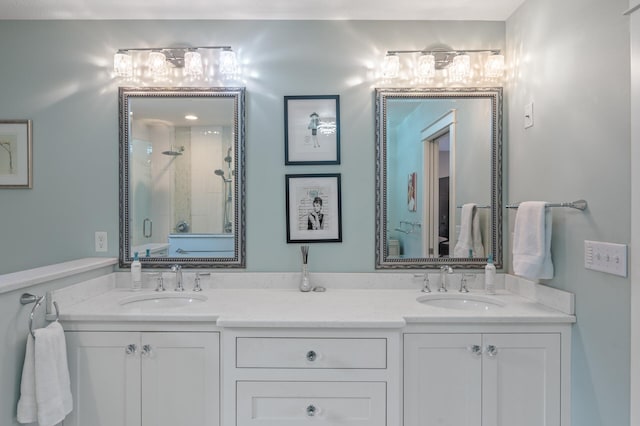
438, 177
182, 176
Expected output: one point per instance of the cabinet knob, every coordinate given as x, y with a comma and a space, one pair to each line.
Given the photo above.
475, 349
312, 356
146, 350
130, 349
492, 351
311, 410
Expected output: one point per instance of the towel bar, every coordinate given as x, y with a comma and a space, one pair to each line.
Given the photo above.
578, 204
28, 298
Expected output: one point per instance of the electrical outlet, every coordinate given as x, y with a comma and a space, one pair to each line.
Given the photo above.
606, 257
102, 244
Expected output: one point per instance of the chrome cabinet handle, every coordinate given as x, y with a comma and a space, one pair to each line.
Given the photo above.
475, 349
130, 349
311, 410
146, 350
492, 351
311, 356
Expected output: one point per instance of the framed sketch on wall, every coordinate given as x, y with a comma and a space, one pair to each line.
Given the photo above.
313, 208
312, 129
15, 154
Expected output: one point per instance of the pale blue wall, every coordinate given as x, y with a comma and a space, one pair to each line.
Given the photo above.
572, 61
57, 74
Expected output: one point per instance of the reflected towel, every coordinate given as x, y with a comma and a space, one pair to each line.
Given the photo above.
532, 241
470, 237
45, 376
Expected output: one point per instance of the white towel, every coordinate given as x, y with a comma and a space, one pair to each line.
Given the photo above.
470, 237
45, 376
532, 241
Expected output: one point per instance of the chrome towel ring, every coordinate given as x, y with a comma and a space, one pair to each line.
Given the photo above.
28, 298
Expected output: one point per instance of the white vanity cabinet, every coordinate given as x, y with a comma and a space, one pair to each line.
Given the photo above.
328, 378
144, 378
483, 379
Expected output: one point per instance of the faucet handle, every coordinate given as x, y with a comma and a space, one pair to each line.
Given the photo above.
196, 286
463, 282
425, 282
159, 281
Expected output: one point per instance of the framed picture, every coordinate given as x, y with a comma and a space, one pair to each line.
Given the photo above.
15, 154
313, 208
312, 129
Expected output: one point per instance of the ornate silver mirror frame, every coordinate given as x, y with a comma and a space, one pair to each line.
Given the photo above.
230, 176
389, 257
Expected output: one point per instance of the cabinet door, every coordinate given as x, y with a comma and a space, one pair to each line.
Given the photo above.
180, 379
521, 379
104, 369
443, 379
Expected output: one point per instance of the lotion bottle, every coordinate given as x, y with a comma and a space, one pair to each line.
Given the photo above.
136, 273
490, 276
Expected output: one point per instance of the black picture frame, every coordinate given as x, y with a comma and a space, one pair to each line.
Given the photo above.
305, 222
312, 130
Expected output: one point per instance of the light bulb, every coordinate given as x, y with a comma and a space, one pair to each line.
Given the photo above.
157, 64
494, 67
228, 63
391, 66
460, 68
122, 64
193, 64
426, 66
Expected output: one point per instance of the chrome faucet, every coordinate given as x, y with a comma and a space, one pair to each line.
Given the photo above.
197, 286
425, 282
178, 270
463, 282
444, 271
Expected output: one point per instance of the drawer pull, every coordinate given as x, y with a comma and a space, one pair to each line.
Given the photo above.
311, 410
475, 350
146, 350
492, 351
311, 356
131, 349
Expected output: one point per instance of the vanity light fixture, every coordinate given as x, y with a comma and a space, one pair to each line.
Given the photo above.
159, 62
449, 65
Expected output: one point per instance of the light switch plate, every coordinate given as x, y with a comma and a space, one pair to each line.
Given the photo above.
606, 257
528, 115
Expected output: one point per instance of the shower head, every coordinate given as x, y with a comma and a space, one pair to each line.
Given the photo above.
219, 172
174, 152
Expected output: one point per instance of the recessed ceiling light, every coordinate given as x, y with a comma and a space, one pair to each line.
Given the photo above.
191, 117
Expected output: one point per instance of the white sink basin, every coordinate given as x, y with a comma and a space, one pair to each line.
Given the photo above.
461, 301
162, 300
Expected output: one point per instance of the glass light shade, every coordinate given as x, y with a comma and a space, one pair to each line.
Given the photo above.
122, 64
193, 64
228, 64
494, 67
426, 66
391, 66
460, 68
157, 64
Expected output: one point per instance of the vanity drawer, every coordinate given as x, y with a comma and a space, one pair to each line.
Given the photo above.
322, 403
254, 352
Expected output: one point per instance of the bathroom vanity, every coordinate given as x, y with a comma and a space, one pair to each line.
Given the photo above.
266, 354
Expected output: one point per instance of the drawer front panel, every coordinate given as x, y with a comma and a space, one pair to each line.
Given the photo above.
310, 353
322, 403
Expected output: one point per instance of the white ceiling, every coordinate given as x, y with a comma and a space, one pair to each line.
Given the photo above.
489, 10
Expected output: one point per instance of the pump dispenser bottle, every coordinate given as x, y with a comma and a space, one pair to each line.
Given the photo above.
136, 273
490, 276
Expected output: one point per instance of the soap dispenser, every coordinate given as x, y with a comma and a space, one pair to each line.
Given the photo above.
490, 276
136, 273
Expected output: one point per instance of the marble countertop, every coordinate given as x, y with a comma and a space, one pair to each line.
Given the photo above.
100, 300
